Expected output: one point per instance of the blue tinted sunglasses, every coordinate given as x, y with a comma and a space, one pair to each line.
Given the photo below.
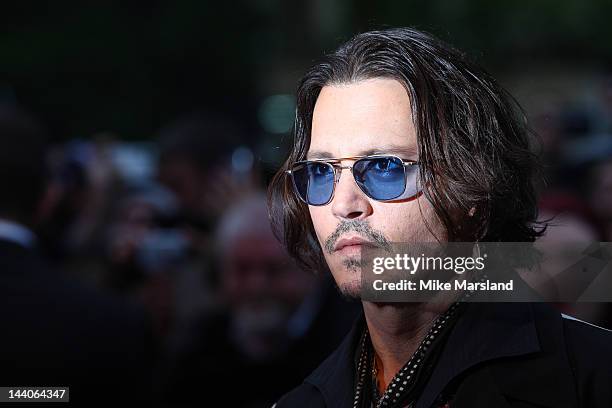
380, 177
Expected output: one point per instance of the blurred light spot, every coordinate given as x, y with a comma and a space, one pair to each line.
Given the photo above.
242, 160
277, 113
134, 161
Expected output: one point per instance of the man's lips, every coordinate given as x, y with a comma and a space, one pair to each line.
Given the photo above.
350, 242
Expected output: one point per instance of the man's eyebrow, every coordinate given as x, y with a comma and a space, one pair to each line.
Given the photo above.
318, 154
401, 151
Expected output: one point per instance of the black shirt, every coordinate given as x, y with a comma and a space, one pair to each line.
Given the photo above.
498, 355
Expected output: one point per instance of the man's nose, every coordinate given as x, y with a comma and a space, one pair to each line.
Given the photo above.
349, 201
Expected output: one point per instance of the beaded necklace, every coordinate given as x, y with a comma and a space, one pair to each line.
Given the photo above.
405, 379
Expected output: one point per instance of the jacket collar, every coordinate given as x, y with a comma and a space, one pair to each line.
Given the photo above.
530, 333
488, 332
334, 378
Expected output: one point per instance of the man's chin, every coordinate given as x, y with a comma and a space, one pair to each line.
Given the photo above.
350, 289
347, 274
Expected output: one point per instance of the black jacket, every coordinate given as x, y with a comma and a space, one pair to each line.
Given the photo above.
499, 355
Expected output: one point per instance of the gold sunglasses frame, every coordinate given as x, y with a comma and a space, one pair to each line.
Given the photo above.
337, 167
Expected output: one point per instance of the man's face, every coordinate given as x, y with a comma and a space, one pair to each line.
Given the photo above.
263, 288
362, 118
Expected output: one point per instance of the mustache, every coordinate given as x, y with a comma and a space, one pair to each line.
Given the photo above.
361, 227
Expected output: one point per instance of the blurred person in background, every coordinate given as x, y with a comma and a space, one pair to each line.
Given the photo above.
145, 250
277, 324
197, 162
600, 198
577, 143
205, 164
58, 333
572, 227
81, 190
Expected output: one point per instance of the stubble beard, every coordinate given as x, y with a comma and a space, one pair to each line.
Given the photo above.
351, 288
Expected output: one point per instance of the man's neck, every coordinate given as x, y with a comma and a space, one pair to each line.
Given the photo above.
396, 330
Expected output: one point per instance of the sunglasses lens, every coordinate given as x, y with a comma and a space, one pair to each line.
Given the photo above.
381, 178
314, 182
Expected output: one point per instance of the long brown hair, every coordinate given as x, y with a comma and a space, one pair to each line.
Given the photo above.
473, 141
